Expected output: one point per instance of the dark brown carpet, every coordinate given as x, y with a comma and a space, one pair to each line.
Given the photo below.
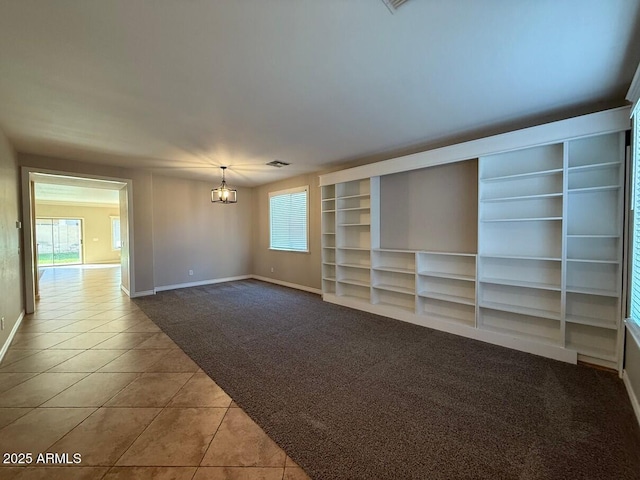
350, 395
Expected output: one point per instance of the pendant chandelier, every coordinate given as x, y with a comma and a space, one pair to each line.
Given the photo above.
224, 194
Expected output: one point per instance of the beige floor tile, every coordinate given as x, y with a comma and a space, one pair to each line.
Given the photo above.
177, 437
241, 442
38, 389
9, 473
150, 473
239, 473
234, 405
41, 428
20, 336
135, 361
176, 361
48, 326
107, 314
45, 341
76, 472
145, 326
41, 361
150, 390
9, 415
82, 326
84, 341
10, 380
14, 355
81, 314
123, 341
88, 361
116, 326
290, 463
200, 391
92, 391
106, 434
295, 473
158, 340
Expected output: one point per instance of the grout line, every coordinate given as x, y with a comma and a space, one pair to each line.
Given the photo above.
213, 437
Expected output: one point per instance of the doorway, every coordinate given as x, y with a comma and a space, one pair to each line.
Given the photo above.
58, 241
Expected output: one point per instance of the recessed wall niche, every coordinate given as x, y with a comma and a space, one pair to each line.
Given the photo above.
434, 208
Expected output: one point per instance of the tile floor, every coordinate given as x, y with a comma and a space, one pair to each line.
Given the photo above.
90, 374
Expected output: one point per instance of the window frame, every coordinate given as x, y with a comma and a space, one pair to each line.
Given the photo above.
289, 191
113, 219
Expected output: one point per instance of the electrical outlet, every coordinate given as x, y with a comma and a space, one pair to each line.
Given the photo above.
190, 273
272, 269
2, 323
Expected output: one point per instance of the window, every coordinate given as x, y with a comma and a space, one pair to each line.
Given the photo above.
116, 243
634, 288
288, 219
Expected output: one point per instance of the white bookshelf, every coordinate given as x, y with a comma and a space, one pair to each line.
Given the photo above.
546, 276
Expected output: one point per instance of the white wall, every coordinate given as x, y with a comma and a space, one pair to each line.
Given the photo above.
632, 367
11, 298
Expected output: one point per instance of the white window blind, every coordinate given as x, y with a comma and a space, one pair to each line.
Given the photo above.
288, 219
634, 306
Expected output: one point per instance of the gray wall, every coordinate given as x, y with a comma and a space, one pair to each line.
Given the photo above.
191, 233
433, 208
11, 298
293, 267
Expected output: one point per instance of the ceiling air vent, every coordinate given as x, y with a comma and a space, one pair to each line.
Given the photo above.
278, 164
393, 5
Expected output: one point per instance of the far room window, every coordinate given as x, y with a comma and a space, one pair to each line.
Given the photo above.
288, 219
116, 242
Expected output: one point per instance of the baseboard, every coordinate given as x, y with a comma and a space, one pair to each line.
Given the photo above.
288, 284
200, 283
125, 290
144, 293
5, 347
632, 395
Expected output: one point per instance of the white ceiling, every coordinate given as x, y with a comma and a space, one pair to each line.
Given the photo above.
181, 86
63, 190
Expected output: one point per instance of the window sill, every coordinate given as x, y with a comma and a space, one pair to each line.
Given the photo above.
290, 251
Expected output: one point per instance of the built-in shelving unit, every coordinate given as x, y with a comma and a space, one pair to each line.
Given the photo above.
546, 276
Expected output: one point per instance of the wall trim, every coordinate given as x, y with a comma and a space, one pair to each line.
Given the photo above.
297, 286
633, 95
199, 284
632, 395
125, 290
14, 330
144, 293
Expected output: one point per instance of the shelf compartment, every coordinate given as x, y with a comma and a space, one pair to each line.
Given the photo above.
592, 341
447, 265
600, 149
328, 255
528, 186
354, 276
351, 257
594, 178
592, 310
594, 166
447, 311
353, 188
523, 219
353, 290
328, 222
360, 216
593, 248
388, 280
541, 207
530, 161
352, 203
354, 237
544, 274
522, 197
392, 298
528, 327
521, 239
394, 261
328, 285
329, 241
594, 213
458, 291
596, 278
328, 192
354, 281
447, 298
329, 271
522, 300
